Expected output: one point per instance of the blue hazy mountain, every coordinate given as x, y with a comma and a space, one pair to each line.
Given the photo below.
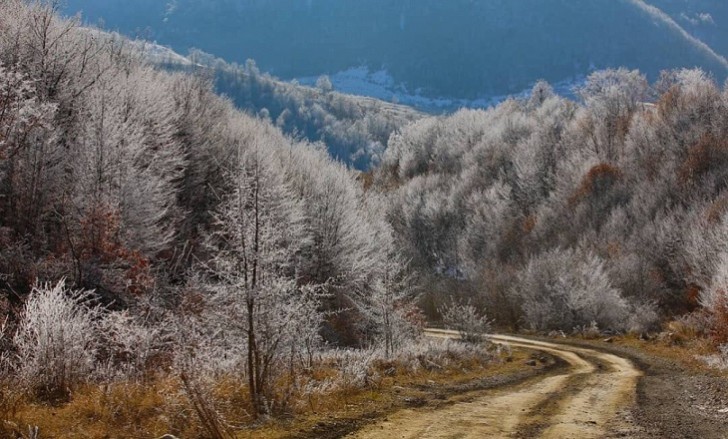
439, 48
706, 20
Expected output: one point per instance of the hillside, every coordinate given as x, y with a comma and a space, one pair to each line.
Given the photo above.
434, 48
354, 129
172, 265
704, 19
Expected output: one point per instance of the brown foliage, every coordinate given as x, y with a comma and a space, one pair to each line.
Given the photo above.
613, 249
599, 178
101, 244
366, 179
529, 223
692, 296
716, 210
100, 233
710, 151
719, 330
668, 102
622, 126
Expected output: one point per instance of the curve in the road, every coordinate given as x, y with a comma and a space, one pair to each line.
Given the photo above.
586, 401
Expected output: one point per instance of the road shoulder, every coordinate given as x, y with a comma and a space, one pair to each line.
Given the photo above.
525, 366
674, 399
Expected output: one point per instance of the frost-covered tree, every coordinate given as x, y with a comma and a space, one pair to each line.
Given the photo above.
324, 84
129, 159
489, 214
122, 185
541, 91
471, 323
612, 97
29, 159
254, 250
390, 307
23, 117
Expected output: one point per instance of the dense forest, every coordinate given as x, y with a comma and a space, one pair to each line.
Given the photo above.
153, 235
610, 210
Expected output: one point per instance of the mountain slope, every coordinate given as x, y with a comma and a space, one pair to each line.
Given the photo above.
704, 19
446, 48
355, 129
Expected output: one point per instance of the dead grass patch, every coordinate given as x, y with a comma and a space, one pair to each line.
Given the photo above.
136, 410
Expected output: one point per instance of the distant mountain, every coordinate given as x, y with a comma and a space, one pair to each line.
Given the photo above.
706, 20
435, 48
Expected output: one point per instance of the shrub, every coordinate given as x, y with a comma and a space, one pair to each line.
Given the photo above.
564, 289
465, 318
134, 349
57, 339
643, 317
718, 360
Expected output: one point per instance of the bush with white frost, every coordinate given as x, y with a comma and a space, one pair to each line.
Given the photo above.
472, 324
564, 289
718, 360
362, 368
132, 345
57, 339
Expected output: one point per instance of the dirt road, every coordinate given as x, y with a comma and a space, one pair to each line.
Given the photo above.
590, 399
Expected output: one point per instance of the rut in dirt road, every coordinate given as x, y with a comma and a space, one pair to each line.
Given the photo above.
586, 401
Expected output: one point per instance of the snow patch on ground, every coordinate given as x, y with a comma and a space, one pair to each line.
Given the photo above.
160, 54
381, 85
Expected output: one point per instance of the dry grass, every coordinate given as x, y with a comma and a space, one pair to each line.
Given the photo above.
389, 394
113, 411
687, 341
135, 410
680, 347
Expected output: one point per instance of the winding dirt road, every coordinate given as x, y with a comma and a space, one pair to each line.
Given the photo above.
587, 400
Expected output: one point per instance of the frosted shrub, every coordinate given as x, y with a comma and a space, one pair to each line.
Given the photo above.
355, 367
57, 339
132, 345
564, 289
718, 360
435, 354
713, 296
465, 318
643, 317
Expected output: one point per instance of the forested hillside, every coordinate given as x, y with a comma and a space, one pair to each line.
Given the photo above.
354, 129
169, 263
437, 48
608, 211
150, 229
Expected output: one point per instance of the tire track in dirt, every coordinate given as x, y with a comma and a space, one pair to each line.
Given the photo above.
586, 401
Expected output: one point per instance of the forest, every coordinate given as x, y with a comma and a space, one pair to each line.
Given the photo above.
354, 129
172, 264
